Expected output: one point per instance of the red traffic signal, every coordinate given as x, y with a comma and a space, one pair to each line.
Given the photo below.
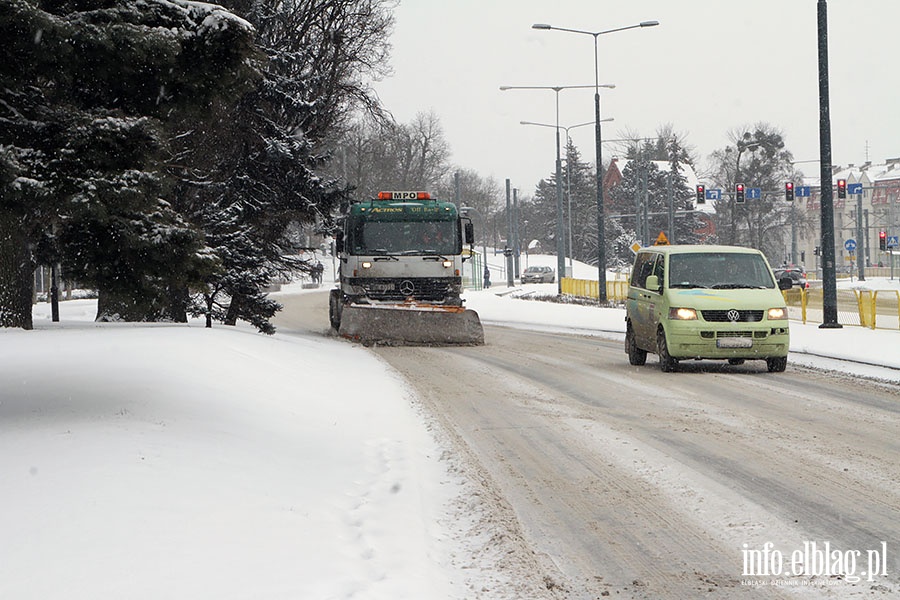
842, 188
789, 191
882, 240
701, 194
739, 193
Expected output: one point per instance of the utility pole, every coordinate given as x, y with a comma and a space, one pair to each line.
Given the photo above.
517, 246
829, 274
507, 251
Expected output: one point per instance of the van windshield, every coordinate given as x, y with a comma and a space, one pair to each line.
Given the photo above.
719, 270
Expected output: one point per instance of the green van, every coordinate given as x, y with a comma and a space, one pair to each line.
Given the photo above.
705, 302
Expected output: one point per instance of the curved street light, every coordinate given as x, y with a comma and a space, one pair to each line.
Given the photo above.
560, 231
568, 173
601, 242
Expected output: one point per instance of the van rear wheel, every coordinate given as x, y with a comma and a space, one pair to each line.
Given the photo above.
636, 356
666, 362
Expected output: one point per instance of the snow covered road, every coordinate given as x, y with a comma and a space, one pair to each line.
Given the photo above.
632, 481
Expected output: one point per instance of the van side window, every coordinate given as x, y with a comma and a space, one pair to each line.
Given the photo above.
643, 266
660, 269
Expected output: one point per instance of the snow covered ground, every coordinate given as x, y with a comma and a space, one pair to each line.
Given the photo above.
172, 461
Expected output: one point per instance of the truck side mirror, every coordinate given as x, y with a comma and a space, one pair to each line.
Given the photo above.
470, 233
339, 241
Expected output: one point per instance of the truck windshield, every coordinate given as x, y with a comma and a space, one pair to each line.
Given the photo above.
719, 270
405, 237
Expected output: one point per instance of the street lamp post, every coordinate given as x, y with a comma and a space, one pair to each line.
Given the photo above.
829, 276
560, 230
601, 242
568, 176
560, 233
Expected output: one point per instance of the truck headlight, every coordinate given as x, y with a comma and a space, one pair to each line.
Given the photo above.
683, 314
776, 314
367, 265
447, 264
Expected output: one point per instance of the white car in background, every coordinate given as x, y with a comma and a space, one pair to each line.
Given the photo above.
538, 275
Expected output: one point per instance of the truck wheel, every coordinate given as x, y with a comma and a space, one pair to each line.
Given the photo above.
334, 309
666, 362
636, 356
776, 364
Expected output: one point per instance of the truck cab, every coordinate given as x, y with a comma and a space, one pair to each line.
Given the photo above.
400, 249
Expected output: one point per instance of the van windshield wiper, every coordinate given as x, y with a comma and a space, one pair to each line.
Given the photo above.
688, 285
734, 286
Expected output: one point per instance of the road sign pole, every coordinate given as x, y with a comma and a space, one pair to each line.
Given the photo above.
861, 249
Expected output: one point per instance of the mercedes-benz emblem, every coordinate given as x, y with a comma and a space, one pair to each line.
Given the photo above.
407, 288
734, 316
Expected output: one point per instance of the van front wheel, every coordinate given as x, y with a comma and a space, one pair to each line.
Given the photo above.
776, 364
666, 362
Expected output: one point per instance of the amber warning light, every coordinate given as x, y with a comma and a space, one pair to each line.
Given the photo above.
404, 196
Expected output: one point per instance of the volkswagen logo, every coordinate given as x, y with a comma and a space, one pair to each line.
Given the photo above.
733, 316
407, 288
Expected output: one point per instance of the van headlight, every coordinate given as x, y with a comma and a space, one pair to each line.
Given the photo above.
682, 314
776, 314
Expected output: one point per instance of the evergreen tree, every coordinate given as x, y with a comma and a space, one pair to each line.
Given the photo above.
257, 174
581, 196
85, 93
645, 185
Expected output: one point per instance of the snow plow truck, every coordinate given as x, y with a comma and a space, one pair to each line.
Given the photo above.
400, 267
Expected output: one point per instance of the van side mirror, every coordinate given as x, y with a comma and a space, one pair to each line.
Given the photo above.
652, 283
785, 283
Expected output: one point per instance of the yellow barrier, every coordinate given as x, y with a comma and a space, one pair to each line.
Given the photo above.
865, 308
616, 291
887, 304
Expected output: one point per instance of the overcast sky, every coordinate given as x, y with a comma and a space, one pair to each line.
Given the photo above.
710, 67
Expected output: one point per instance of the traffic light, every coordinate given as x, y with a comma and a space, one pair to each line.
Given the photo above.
789, 191
701, 194
739, 193
817, 251
882, 240
842, 188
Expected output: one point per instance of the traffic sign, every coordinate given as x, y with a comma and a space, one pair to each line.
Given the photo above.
635, 247
802, 191
893, 241
661, 239
854, 188
713, 194
754, 193
850, 245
